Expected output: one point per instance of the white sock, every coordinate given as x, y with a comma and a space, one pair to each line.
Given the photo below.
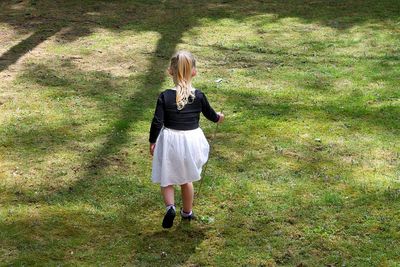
184, 214
170, 206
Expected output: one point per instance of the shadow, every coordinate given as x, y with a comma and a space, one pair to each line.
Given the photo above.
38, 139
308, 224
96, 85
76, 234
142, 16
52, 236
26, 45
351, 107
168, 247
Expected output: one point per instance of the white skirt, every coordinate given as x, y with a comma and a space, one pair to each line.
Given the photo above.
179, 156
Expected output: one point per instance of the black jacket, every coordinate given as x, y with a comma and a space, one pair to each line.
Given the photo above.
167, 114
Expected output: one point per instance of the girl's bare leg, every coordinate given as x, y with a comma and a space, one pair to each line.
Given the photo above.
168, 195
187, 197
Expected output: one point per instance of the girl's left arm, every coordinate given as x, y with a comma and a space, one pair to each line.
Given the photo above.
207, 110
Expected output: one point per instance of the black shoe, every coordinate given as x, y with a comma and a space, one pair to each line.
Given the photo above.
188, 218
169, 217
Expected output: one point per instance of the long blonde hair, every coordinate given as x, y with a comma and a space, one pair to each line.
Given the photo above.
181, 68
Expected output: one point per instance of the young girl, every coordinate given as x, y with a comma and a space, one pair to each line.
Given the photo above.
177, 144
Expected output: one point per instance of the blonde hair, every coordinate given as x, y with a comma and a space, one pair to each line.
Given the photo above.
181, 67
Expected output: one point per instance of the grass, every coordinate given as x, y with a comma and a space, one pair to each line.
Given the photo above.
304, 172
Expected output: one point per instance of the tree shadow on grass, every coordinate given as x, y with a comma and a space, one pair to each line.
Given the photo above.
332, 227
74, 234
36, 140
26, 45
347, 107
81, 18
51, 235
168, 247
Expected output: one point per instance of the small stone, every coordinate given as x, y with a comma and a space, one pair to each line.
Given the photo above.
317, 140
218, 80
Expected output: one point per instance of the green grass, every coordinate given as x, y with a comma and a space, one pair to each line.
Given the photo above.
304, 172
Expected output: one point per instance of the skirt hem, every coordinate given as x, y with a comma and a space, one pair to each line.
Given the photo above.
180, 183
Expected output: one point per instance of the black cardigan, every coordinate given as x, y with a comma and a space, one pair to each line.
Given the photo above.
167, 114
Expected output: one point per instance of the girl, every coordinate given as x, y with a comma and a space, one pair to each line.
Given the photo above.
177, 144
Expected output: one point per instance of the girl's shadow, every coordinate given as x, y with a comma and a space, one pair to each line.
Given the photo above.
169, 247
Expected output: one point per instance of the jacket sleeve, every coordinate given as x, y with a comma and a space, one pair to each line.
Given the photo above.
158, 120
207, 110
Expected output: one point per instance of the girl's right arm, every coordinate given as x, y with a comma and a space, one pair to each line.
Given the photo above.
158, 120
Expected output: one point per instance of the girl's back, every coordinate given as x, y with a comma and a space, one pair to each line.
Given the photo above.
187, 118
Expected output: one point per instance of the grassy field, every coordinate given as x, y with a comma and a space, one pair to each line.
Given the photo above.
305, 170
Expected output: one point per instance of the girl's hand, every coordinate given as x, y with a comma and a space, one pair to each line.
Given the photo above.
152, 147
221, 117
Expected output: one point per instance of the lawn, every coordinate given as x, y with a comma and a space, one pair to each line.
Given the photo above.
305, 171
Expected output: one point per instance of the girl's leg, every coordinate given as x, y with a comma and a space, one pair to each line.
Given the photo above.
168, 195
187, 197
